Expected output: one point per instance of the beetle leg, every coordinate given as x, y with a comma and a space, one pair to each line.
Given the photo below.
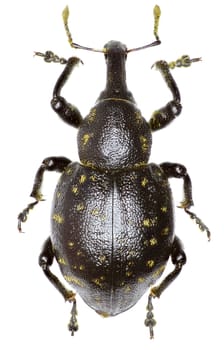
45, 261
178, 259
66, 111
50, 164
73, 324
49, 57
172, 109
150, 321
179, 171
169, 112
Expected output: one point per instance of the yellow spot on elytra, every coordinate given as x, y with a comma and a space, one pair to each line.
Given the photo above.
153, 241
95, 212
93, 178
127, 289
132, 253
81, 267
164, 209
72, 279
144, 182
97, 299
58, 194
82, 179
165, 231
75, 189
102, 258
80, 207
149, 222
141, 280
144, 143
99, 281
88, 163
103, 217
129, 273
62, 261
71, 244
58, 218
159, 271
79, 253
150, 263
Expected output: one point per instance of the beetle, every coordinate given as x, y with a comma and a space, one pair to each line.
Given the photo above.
112, 213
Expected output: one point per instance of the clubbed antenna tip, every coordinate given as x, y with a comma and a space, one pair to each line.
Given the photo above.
65, 15
157, 14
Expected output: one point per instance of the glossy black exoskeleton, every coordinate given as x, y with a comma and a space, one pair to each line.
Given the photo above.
112, 214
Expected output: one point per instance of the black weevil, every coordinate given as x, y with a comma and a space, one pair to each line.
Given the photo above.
112, 215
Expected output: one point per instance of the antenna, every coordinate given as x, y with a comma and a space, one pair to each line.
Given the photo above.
156, 14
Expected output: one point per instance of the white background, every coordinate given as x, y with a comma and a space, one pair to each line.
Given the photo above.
190, 313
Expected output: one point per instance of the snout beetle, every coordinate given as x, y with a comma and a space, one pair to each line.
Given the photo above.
112, 215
